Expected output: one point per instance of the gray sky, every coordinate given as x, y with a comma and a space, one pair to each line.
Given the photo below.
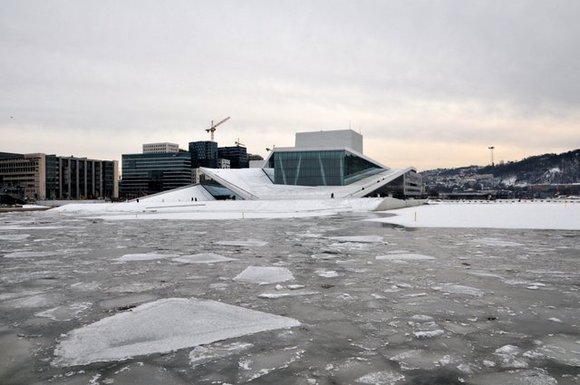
428, 83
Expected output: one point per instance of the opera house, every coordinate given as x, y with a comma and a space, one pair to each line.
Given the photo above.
323, 164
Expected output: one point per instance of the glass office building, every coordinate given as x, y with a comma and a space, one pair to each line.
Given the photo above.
204, 154
145, 174
320, 167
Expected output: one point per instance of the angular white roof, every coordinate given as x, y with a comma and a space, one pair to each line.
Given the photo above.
254, 184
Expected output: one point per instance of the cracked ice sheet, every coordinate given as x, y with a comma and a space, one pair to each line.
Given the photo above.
264, 275
162, 326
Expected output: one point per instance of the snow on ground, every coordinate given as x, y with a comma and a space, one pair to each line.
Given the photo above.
210, 210
162, 326
264, 275
509, 215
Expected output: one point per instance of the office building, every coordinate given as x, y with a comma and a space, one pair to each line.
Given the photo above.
145, 174
40, 176
204, 154
160, 148
237, 155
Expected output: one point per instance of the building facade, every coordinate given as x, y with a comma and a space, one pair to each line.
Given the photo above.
237, 155
40, 176
204, 154
160, 148
332, 158
145, 174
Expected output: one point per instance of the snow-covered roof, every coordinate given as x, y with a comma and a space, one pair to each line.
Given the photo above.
254, 184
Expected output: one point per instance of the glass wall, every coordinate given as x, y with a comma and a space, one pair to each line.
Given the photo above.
319, 168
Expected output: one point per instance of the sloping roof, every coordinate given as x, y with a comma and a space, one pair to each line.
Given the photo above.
254, 184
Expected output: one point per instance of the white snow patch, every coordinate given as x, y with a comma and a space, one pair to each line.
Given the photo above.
264, 275
404, 257
144, 257
203, 258
162, 326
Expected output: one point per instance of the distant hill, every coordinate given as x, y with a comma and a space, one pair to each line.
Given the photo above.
547, 169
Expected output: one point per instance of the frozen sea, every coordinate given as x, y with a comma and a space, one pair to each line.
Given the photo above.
324, 300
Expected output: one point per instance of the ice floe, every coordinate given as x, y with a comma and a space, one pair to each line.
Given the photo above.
360, 239
555, 216
264, 275
510, 357
207, 353
66, 312
13, 237
324, 273
247, 243
381, 378
460, 289
203, 258
30, 254
497, 242
162, 326
404, 257
514, 377
144, 257
283, 294
258, 365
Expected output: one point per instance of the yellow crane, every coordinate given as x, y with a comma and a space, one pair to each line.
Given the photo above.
213, 127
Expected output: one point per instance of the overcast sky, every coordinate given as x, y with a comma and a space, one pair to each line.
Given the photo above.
428, 83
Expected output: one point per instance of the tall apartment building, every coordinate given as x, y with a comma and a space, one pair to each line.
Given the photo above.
41, 176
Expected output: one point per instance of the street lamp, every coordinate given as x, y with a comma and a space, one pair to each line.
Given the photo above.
491, 150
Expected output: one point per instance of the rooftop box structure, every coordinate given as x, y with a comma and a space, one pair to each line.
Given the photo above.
330, 139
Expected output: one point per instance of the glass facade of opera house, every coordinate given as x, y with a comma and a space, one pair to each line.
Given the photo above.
320, 168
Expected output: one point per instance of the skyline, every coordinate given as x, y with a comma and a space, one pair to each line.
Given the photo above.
428, 84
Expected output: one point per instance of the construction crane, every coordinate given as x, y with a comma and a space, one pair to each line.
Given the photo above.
213, 127
238, 143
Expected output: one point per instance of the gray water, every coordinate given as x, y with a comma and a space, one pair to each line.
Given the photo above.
491, 307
